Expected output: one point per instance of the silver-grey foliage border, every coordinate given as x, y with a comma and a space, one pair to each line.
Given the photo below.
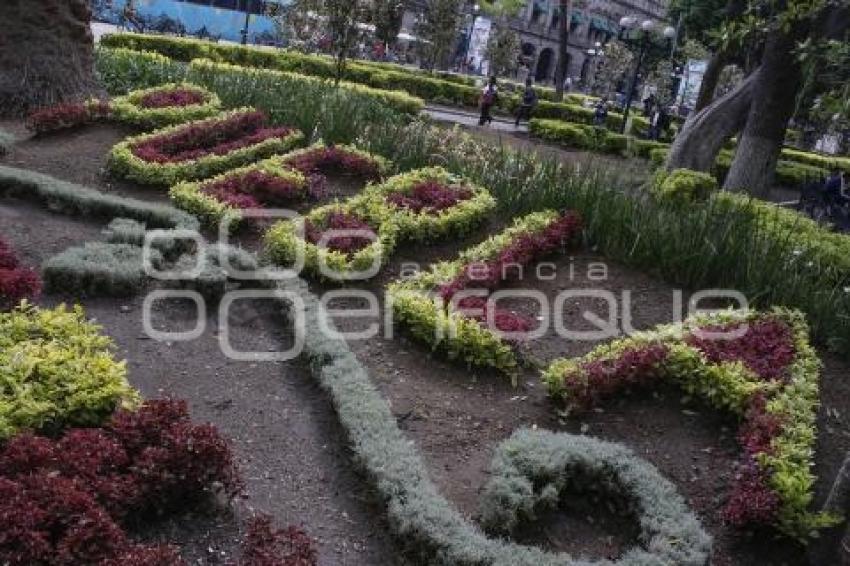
417, 511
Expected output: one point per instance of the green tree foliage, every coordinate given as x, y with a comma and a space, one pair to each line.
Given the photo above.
438, 27
617, 62
503, 51
386, 16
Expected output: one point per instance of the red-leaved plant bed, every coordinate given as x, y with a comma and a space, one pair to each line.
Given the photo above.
16, 281
64, 116
340, 221
217, 138
333, 159
253, 189
266, 546
64, 501
430, 197
172, 98
522, 249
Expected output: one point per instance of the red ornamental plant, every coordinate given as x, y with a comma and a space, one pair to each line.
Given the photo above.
265, 546
766, 348
63, 116
477, 308
522, 250
16, 281
218, 137
342, 243
171, 98
254, 188
429, 197
332, 158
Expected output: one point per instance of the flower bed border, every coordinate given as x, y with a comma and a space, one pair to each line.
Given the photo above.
128, 108
460, 337
733, 386
124, 163
416, 510
457, 220
286, 239
209, 210
382, 165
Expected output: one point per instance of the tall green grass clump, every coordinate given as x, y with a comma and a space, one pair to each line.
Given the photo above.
122, 70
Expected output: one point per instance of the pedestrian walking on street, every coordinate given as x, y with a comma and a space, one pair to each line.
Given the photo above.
489, 97
529, 101
601, 112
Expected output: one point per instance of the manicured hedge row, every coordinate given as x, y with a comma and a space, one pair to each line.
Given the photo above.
184, 49
826, 162
200, 149
222, 197
361, 247
58, 370
98, 268
321, 158
67, 116
579, 136
788, 174
165, 105
426, 204
534, 470
424, 303
62, 196
758, 366
417, 513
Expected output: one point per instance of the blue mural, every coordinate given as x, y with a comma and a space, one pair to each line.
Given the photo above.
223, 19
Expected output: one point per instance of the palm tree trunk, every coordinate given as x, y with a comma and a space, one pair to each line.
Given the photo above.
46, 54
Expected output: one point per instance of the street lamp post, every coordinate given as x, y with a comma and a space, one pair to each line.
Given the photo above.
593, 53
244, 30
475, 10
644, 41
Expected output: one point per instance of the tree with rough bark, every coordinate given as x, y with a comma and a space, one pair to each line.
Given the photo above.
759, 108
46, 54
438, 27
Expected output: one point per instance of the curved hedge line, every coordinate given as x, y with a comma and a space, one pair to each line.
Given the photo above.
579, 136
416, 510
130, 108
767, 374
124, 162
57, 370
457, 220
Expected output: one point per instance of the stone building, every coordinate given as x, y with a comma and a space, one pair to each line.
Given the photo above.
596, 21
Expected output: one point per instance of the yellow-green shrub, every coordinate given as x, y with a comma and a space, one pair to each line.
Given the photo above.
683, 186
128, 108
57, 370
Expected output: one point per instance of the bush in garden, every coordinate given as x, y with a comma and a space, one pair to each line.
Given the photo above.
213, 269
65, 116
642, 148
426, 204
166, 105
424, 302
339, 159
683, 186
573, 135
200, 148
98, 268
64, 500
760, 367
346, 257
16, 281
220, 198
123, 70
60, 368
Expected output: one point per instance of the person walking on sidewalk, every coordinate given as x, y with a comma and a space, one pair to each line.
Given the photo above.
489, 97
529, 101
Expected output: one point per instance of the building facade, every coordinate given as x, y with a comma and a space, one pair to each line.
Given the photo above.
596, 22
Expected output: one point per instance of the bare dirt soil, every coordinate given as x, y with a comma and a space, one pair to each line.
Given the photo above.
292, 450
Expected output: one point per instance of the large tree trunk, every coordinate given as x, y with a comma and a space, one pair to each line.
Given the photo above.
564, 38
710, 78
46, 53
777, 81
699, 142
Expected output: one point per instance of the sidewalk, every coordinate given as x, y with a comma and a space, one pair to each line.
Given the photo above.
466, 118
